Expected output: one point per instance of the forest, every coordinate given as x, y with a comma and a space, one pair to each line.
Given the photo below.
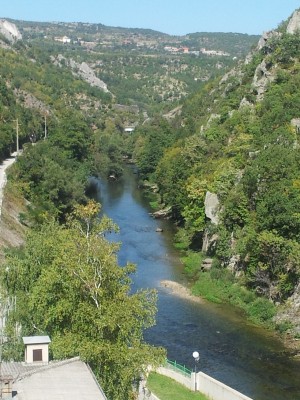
233, 135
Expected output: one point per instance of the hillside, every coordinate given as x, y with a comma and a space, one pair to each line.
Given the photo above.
231, 176
141, 67
225, 160
114, 75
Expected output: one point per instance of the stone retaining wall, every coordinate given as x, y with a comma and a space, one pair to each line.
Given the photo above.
205, 384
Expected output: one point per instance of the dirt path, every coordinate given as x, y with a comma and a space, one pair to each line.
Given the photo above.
6, 163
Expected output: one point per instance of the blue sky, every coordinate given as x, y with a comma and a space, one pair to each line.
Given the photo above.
176, 17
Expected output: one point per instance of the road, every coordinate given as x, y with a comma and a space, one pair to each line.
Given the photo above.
6, 163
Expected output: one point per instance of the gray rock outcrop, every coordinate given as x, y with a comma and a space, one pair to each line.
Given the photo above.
212, 204
9, 31
245, 103
295, 122
82, 70
207, 264
294, 23
265, 38
209, 242
262, 77
87, 74
30, 101
291, 312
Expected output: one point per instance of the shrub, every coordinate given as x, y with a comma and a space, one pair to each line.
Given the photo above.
261, 310
192, 263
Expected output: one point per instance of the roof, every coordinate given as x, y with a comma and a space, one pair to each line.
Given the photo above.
36, 339
59, 380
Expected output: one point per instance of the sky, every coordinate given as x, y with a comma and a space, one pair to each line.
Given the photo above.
175, 17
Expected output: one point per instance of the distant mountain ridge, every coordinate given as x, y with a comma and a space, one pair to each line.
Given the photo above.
234, 43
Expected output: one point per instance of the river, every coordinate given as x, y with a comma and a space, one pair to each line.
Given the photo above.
232, 350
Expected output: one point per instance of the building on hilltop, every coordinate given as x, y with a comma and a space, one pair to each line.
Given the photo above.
63, 39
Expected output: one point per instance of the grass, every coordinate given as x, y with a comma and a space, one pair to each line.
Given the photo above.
218, 286
192, 262
168, 389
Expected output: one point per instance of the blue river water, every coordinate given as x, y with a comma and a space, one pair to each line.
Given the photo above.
232, 350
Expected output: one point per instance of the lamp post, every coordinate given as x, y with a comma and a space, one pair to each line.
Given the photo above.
196, 358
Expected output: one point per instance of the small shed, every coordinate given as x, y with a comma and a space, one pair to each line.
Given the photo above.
36, 349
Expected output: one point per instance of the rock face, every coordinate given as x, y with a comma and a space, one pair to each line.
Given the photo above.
83, 70
10, 31
212, 207
295, 122
292, 312
30, 101
88, 75
262, 77
265, 38
294, 24
209, 242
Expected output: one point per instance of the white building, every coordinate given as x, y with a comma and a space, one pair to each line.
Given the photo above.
36, 349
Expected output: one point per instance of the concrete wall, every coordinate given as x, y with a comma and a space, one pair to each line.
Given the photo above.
184, 380
205, 384
216, 390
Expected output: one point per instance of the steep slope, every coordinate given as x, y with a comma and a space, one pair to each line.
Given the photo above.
232, 177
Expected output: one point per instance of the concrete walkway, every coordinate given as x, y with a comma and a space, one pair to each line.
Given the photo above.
6, 163
145, 393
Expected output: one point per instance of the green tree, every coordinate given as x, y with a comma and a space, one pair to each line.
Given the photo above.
194, 211
72, 135
68, 284
53, 182
274, 271
158, 136
171, 175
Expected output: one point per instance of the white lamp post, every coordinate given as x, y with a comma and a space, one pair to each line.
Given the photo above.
196, 358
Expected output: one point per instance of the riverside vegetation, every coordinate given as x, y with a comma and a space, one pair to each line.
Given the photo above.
236, 136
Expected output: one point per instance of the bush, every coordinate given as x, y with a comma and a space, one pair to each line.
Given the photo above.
182, 239
261, 310
283, 326
219, 286
192, 263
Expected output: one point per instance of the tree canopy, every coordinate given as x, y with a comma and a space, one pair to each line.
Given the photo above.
68, 285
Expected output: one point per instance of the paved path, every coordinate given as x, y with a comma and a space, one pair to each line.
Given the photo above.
145, 393
6, 163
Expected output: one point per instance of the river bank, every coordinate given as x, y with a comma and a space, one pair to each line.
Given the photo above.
292, 344
181, 291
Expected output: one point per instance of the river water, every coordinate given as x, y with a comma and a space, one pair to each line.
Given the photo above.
247, 358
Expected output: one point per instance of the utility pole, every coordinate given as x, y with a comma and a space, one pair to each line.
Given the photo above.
45, 125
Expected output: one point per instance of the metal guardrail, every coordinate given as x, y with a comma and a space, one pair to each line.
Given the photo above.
178, 368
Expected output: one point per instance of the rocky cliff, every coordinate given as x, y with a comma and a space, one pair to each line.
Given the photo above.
9, 31
294, 23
